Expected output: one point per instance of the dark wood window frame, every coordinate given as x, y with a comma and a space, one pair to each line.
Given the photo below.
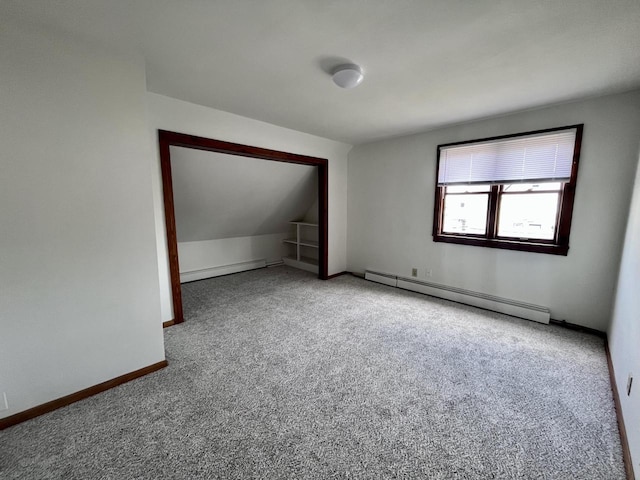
168, 139
558, 246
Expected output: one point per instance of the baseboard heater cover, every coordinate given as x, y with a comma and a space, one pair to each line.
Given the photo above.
200, 274
384, 278
468, 297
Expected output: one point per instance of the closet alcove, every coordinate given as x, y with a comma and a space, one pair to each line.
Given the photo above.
230, 207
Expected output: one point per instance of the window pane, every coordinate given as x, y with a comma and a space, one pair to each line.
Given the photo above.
528, 216
531, 187
465, 214
468, 188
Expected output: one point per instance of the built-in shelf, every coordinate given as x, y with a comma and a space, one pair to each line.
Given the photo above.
305, 263
303, 244
307, 224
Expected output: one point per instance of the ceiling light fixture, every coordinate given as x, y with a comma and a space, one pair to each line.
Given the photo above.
348, 76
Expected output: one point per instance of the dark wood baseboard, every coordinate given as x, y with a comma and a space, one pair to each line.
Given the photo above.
169, 323
81, 395
579, 328
626, 453
336, 275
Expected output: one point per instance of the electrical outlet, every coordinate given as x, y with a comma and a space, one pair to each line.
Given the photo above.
4, 404
629, 383
414, 272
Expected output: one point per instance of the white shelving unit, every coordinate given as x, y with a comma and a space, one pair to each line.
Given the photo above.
304, 247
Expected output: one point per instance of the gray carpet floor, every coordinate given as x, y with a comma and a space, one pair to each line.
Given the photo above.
276, 374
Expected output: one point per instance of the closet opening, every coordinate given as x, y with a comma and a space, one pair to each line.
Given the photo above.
169, 139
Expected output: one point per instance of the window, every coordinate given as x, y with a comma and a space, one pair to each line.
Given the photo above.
514, 191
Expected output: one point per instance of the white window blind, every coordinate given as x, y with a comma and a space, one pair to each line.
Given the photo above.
538, 157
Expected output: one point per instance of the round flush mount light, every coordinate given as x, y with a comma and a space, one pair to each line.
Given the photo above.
348, 76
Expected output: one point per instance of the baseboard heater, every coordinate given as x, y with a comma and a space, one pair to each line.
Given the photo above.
468, 297
209, 272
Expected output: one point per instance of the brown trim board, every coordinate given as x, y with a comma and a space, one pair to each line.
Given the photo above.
578, 328
168, 139
336, 275
168, 323
77, 396
626, 453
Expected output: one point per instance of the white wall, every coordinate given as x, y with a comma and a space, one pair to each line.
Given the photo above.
79, 301
312, 214
224, 196
391, 191
209, 254
624, 331
175, 115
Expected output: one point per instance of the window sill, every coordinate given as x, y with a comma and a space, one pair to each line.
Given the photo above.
522, 246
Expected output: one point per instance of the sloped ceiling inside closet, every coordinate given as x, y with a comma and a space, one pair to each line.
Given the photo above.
224, 196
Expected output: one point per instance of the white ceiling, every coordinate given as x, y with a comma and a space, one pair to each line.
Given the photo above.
427, 62
225, 196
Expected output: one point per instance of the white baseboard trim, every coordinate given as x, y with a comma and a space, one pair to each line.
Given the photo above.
468, 297
200, 274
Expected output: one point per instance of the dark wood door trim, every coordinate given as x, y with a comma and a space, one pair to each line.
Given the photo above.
167, 139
